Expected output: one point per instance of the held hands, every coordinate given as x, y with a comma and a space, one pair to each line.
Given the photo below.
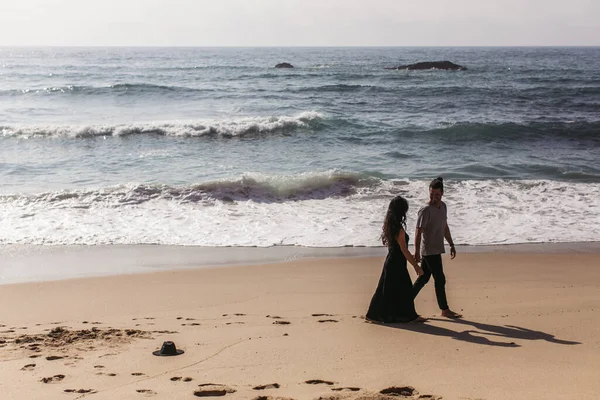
417, 257
418, 269
416, 266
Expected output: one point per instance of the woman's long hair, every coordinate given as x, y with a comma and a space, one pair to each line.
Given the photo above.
395, 219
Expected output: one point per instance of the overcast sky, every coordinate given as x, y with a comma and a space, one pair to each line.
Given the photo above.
300, 22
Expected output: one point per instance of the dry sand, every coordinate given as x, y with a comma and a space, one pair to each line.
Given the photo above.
295, 330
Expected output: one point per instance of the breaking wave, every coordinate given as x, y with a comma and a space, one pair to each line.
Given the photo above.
250, 126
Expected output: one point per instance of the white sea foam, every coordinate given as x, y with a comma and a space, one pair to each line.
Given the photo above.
236, 127
259, 210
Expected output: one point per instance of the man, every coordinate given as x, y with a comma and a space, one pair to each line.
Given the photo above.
432, 228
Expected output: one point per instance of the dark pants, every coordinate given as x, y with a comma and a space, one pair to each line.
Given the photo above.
432, 265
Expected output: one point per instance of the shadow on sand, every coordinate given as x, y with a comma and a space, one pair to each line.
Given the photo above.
480, 333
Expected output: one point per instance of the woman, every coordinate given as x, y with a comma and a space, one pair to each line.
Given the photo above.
393, 299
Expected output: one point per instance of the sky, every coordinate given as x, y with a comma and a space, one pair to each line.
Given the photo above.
299, 23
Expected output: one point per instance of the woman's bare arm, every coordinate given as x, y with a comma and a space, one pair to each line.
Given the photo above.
401, 239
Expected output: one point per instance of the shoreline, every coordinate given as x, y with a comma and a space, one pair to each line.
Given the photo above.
39, 263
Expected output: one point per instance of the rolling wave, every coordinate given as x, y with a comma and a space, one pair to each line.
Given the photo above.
461, 132
119, 89
254, 187
339, 209
337, 88
242, 127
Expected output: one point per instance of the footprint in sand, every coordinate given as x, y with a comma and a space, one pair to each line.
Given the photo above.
327, 320
322, 315
269, 386
146, 392
107, 374
273, 316
234, 323
82, 391
52, 358
179, 378
55, 378
406, 391
281, 322
28, 367
276, 398
346, 389
98, 366
318, 382
137, 373
213, 390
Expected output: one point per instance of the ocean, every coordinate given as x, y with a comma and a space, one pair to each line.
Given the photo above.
216, 147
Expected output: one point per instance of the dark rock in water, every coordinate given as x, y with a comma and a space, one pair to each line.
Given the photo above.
284, 65
445, 65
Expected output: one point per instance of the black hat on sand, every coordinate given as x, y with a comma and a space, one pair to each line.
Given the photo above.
168, 349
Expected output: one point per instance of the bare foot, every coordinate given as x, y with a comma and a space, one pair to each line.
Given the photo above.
419, 319
450, 314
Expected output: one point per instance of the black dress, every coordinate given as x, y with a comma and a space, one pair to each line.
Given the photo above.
393, 300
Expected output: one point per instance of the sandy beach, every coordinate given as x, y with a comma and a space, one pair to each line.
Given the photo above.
295, 329
198, 199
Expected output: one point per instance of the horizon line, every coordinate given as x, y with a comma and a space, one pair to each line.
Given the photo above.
291, 46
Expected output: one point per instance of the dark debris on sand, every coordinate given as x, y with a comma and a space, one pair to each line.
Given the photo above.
62, 337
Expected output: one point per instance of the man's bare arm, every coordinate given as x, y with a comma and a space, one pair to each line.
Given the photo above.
418, 234
448, 237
